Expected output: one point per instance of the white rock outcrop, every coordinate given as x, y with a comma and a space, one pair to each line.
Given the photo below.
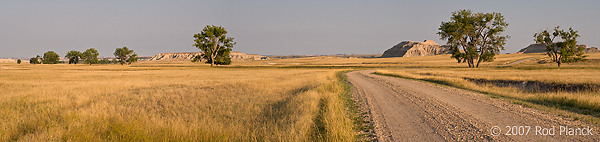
415, 48
234, 55
175, 56
8, 60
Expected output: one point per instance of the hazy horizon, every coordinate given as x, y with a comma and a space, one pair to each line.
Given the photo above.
30, 28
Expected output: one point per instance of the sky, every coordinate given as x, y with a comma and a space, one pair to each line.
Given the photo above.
268, 27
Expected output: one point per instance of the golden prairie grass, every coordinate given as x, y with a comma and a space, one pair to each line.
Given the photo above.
438, 61
570, 76
194, 103
268, 100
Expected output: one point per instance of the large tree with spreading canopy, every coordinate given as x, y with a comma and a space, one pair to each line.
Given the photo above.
563, 50
215, 44
474, 37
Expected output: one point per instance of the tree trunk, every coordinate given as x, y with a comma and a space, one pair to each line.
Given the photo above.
215, 51
558, 60
480, 57
470, 62
213, 55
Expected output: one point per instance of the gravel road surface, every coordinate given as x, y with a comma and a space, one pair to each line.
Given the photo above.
408, 110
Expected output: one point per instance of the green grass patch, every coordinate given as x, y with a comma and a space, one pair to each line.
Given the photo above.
359, 118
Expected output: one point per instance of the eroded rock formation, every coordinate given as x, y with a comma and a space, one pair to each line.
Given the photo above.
175, 56
234, 55
539, 48
533, 48
415, 48
592, 50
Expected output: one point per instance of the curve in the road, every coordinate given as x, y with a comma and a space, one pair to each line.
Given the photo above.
408, 110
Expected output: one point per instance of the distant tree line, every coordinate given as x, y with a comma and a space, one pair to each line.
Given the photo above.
212, 41
90, 56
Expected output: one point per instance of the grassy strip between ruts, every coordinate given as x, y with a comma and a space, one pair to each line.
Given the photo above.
582, 105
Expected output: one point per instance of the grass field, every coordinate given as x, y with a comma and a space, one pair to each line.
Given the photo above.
299, 99
121, 103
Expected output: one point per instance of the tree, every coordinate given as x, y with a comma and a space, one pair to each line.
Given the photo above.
563, 51
132, 58
104, 61
222, 57
50, 57
213, 41
18, 61
198, 58
90, 56
35, 60
113, 61
125, 55
73, 56
474, 37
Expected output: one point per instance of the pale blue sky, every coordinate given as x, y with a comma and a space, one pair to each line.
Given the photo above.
29, 28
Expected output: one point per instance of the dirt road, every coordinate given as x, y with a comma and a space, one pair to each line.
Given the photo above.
518, 62
408, 110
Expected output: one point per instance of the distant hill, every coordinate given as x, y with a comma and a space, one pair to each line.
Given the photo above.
335, 55
539, 48
8, 60
234, 55
415, 48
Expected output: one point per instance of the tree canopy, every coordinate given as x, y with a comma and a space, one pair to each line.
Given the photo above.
474, 37
35, 60
50, 57
215, 44
563, 50
90, 56
73, 56
125, 55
